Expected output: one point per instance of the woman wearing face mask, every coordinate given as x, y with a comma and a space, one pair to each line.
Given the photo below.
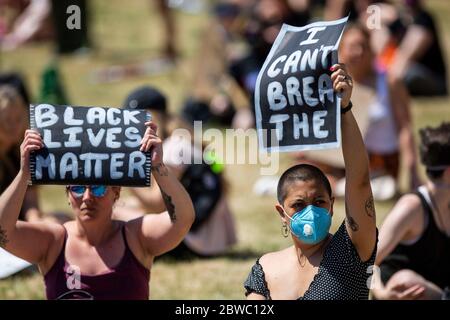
320, 265
414, 250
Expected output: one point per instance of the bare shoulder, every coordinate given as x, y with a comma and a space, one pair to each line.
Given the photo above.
270, 262
408, 206
134, 235
278, 267
56, 234
408, 212
58, 231
133, 231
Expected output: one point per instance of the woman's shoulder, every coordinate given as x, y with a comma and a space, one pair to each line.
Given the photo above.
408, 208
58, 233
265, 268
407, 213
270, 262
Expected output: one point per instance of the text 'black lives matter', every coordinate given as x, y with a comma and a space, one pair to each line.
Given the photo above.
89, 146
295, 105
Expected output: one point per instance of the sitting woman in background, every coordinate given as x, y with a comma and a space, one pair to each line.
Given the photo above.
13, 123
320, 265
213, 231
414, 250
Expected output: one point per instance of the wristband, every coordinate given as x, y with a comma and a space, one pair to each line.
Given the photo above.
347, 108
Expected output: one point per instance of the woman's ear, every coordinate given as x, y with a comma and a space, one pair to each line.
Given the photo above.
280, 210
116, 191
446, 174
331, 205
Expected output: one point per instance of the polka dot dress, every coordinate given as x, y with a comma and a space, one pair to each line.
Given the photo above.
341, 276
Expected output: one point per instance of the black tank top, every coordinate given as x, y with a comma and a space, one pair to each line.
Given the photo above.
429, 256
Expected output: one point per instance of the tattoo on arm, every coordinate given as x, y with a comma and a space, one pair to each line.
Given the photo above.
169, 205
370, 207
352, 224
161, 169
3, 238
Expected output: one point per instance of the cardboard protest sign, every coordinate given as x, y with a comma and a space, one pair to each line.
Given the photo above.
294, 96
89, 146
363, 96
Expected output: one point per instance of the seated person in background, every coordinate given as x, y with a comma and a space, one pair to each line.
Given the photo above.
13, 123
16, 81
320, 265
419, 60
261, 30
214, 95
381, 17
31, 21
414, 248
213, 231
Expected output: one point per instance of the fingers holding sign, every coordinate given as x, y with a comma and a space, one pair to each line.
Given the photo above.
342, 83
32, 141
152, 142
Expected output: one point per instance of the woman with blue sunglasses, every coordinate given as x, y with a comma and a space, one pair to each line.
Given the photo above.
95, 256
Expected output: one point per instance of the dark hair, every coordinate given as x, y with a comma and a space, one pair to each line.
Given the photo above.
303, 172
16, 80
146, 97
435, 149
358, 26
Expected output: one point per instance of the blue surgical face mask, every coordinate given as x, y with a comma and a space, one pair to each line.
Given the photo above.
310, 225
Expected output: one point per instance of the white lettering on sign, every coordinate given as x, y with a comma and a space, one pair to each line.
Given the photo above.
107, 142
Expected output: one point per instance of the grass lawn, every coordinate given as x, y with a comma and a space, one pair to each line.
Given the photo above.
132, 33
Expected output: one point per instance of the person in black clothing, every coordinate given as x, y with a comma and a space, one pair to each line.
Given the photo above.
261, 30
419, 60
213, 230
319, 265
414, 250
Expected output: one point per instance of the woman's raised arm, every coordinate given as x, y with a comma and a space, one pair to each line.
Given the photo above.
160, 233
29, 241
359, 204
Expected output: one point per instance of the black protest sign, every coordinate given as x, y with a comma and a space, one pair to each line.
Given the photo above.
295, 104
89, 146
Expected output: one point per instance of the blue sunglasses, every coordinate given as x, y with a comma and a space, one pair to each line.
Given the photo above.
78, 191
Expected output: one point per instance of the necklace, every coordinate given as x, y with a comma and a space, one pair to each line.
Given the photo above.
303, 256
300, 260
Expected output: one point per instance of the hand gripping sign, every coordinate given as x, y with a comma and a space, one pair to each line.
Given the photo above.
89, 146
295, 104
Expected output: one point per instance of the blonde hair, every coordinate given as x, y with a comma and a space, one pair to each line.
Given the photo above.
9, 97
